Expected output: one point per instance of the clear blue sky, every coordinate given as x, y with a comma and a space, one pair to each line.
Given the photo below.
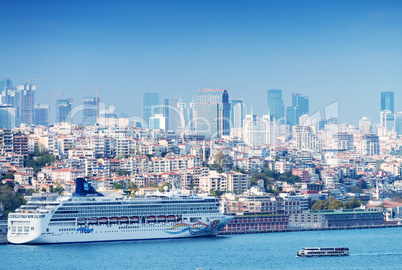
346, 51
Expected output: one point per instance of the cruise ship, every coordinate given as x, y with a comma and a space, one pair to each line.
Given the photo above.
88, 216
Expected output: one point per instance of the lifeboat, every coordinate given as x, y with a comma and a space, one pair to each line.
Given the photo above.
151, 219
170, 218
161, 218
81, 221
93, 220
123, 219
113, 219
102, 220
134, 219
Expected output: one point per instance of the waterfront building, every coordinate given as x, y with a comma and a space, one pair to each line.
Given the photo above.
257, 223
212, 113
275, 104
150, 106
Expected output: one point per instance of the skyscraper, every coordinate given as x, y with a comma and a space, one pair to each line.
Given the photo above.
300, 106
387, 101
150, 106
41, 114
171, 111
212, 113
27, 98
91, 110
7, 116
63, 109
275, 104
237, 112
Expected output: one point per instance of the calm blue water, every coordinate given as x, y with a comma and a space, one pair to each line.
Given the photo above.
369, 249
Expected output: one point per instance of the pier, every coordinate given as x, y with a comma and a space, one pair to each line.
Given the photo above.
314, 229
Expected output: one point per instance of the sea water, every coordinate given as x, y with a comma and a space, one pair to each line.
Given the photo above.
369, 249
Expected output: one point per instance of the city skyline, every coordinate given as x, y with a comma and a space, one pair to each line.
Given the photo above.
331, 52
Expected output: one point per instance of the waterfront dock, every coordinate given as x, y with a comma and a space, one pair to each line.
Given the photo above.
314, 229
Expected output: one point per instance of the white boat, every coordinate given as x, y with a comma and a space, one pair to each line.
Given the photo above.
323, 251
71, 219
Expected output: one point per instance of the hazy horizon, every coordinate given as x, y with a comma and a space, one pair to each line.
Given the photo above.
339, 51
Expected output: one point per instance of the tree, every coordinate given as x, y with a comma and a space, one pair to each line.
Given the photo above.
37, 163
118, 186
43, 189
355, 189
9, 176
220, 159
59, 189
320, 205
352, 203
123, 172
11, 200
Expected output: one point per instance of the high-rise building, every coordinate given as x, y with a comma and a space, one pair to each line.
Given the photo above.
300, 106
41, 114
63, 109
343, 141
370, 145
387, 101
27, 98
237, 112
158, 121
398, 123
91, 110
150, 106
301, 102
20, 144
275, 104
171, 111
185, 118
365, 126
7, 116
293, 115
212, 113
306, 140
387, 121
259, 130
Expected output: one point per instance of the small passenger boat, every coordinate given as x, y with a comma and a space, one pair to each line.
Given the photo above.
134, 219
323, 251
113, 219
102, 220
170, 218
81, 221
161, 218
123, 219
92, 220
151, 219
